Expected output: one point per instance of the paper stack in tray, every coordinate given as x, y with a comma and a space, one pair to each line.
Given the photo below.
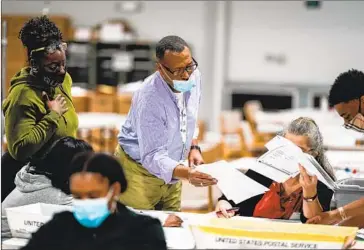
260, 234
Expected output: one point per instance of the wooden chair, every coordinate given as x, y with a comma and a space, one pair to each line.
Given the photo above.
250, 109
232, 135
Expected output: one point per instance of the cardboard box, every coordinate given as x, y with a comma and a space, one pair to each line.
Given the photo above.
260, 234
25, 220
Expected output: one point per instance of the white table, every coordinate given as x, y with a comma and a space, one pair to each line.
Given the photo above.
92, 120
177, 238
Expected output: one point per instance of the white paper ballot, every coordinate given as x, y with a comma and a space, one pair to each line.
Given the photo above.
179, 238
283, 158
14, 243
278, 141
271, 173
233, 184
360, 234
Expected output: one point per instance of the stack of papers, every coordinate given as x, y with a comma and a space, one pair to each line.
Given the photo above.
179, 238
360, 234
284, 158
233, 184
14, 243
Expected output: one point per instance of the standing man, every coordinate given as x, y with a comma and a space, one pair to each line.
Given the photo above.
161, 132
347, 97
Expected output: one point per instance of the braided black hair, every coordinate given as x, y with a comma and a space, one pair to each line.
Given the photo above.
39, 32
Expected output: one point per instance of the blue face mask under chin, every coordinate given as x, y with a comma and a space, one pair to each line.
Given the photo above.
181, 85
184, 86
91, 213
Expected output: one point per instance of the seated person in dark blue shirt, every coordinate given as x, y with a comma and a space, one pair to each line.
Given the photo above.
98, 220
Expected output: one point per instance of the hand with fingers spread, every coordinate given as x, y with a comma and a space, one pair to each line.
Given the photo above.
222, 208
308, 183
199, 179
58, 105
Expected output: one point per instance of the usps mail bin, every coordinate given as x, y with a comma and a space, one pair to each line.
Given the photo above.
350, 189
25, 220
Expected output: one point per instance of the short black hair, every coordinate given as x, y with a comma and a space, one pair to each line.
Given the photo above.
347, 86
56, 162
172, 43
39, 32
100, 163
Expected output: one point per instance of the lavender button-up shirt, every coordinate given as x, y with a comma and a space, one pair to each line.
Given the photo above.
151, 133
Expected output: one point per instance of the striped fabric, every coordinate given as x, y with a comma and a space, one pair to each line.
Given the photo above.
151, 134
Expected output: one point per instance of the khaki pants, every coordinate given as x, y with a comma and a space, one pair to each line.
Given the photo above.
146, 191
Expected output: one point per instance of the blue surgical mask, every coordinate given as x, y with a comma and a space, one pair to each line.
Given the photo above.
184, 86
91, 213
180, 85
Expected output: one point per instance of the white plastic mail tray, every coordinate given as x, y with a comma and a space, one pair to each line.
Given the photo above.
350, 189
25, 220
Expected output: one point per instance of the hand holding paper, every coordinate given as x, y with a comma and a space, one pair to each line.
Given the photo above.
200, 179
308, 183
233, 184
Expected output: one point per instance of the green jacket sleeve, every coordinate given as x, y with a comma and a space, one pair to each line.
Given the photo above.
24, 134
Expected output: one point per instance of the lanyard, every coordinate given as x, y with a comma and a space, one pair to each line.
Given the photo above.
183, 126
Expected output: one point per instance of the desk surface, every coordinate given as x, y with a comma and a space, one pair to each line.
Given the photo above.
177, 238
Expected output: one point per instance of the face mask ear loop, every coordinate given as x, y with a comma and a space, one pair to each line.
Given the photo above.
359, 111
113, 199
166, 73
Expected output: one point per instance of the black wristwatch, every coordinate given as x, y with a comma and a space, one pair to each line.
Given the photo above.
310, 199
195, 147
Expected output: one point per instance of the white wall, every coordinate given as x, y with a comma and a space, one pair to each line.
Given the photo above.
318, 44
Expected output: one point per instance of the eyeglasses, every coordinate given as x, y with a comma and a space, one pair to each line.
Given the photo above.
357, 123
50, 48
179, 72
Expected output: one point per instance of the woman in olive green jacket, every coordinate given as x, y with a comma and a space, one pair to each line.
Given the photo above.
38, 109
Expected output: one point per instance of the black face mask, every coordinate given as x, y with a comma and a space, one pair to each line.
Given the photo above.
46, 78
51, 79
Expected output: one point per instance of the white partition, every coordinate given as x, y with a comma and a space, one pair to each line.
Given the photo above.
283, 42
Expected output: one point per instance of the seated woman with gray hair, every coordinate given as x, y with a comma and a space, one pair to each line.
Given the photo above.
302, 194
